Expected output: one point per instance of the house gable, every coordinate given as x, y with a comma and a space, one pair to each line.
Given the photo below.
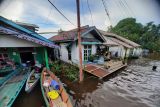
93, 33
90, 38
86, 32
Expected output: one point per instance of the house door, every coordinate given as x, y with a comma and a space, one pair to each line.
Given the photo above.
69, 53
27, 56
87, 52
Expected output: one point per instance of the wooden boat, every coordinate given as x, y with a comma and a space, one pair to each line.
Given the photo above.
4, 78
32, 81
12, 87
62, 100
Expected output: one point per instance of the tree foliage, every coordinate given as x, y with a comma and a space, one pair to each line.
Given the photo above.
148, 36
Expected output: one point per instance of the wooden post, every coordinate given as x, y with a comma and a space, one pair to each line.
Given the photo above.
125, 57
79, 42
46, 58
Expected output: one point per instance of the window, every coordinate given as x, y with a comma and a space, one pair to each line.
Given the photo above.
87, 52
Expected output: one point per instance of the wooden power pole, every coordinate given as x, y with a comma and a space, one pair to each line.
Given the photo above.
79, 41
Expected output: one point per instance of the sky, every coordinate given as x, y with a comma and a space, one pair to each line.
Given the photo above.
43, 14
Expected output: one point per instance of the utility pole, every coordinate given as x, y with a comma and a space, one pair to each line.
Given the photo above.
79, 42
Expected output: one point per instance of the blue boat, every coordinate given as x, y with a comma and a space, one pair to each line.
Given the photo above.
12, 87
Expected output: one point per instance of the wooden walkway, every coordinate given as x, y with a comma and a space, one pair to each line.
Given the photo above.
100, 71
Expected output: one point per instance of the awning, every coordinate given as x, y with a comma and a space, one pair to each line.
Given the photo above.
91, 43
27, 37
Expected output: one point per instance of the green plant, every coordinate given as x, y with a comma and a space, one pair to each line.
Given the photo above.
91, 58
56, 67
65, 70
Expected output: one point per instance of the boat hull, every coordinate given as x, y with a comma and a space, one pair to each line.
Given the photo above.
29, 87
46, 99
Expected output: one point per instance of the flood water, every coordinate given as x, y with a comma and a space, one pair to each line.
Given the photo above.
134, 86
32, 99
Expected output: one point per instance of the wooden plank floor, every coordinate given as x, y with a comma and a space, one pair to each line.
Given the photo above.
100, 71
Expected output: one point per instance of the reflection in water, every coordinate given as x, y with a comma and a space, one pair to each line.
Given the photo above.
135, 86
32, 99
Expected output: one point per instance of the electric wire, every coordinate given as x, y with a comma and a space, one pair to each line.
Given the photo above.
106, 10
125, 8
120, 8
82, 7
90, 11
125, 2
50, 9
60, 12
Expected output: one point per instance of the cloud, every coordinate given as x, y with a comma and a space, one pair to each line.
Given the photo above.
8, 5
42, 13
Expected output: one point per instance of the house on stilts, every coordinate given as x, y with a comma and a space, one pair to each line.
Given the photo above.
95, 54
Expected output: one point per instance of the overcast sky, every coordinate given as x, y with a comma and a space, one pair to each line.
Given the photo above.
43, 14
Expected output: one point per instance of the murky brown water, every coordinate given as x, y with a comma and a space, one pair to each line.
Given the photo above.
135, 86
33, 99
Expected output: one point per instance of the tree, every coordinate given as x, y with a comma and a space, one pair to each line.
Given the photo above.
148, 36
128, 28
151, 37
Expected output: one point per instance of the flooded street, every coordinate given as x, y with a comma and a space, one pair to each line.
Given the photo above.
32, 99
135, 86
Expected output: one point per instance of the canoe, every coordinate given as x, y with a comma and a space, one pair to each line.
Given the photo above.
62, 99
3, 79
32, 80
13, 86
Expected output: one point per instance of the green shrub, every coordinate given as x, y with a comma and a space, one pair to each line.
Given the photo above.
65, 70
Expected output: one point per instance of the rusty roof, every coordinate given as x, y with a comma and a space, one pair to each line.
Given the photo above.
126, 42
71, 35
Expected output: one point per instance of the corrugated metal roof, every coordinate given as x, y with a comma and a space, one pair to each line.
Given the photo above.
27, 24
26, 31
71, 35
120, 38
121, 43
110, 42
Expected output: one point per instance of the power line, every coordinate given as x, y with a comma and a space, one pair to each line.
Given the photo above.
83, 17
106, 10
60, 12
120, 9
48, 15
128, 7
90, 11
125, 8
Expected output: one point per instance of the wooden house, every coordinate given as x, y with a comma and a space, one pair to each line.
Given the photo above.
121, 46
20, 44
68, 42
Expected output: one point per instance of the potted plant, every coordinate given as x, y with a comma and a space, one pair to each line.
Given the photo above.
91, 58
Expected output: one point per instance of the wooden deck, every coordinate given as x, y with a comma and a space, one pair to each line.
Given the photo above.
102, 71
